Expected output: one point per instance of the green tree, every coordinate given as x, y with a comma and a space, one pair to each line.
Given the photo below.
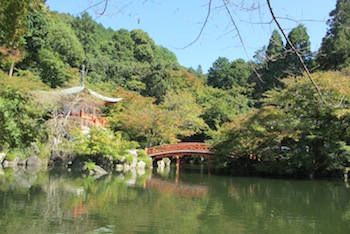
182, 105
219, 74
301, 42
85, 30
220, 106
280, 61
13, 26
163, 55
293, 132
36, 37
272, 65
123, 46
52, 70
334, 53
62, 40
157, 81
144, 46
19, 119
144, 121
13, 20
226, 75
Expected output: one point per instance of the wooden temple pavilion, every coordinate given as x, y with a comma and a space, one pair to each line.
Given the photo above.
82, 105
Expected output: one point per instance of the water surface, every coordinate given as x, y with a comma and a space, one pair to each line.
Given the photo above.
151, 202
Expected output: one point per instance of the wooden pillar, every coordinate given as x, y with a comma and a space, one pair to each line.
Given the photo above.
177, 168
81, 114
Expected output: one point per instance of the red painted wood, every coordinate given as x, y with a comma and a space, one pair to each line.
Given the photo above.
189, 149
180, 149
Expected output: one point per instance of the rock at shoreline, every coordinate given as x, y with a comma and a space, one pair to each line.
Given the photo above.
134, 162
119, 167
141, 165
160, 164
100, 170
13, 163
33, 161
133, 152
167, 162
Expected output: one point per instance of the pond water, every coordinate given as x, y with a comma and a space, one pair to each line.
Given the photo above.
191, 201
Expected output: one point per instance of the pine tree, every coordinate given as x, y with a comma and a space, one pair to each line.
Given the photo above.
334, 53
301, 42
273, 66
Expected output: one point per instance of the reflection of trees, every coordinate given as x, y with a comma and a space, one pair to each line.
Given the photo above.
286, 206
68, 204
52, 205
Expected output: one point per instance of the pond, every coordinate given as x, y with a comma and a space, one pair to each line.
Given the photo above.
190, 201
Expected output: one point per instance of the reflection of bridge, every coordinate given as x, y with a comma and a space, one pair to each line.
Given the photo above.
181, 189
180, 150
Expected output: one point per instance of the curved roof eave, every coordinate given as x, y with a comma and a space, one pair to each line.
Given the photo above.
79, 89
104, 98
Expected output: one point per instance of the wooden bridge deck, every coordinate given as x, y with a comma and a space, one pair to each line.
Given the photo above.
180, 150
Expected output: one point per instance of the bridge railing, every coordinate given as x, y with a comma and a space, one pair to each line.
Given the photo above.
178, 147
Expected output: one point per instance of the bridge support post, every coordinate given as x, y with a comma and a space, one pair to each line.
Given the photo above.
209, 167
177, 168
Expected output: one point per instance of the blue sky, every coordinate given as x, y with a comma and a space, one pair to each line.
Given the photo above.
176, 24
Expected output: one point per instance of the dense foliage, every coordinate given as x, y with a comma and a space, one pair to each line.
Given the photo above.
20, 118
103, 143
294, 132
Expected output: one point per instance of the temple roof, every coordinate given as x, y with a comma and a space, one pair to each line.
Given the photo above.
79, 89
104, 98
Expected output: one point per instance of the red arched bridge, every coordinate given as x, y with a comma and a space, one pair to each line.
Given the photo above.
189, 149
180, 150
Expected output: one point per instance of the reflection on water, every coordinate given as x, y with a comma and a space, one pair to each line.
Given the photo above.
166, 202
167, 187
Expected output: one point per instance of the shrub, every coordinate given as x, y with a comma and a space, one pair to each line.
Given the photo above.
102, 142
90, 166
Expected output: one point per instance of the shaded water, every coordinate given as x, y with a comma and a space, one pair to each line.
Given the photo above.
154, 202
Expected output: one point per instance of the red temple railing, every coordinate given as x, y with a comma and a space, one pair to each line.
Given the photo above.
88, 119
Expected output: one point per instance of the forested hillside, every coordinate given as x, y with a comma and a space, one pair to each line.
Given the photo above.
288, 107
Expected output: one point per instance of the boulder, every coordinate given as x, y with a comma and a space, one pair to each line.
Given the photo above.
134, 162
99, 171
140, 171
122, 160
141, 165
13, 163
126, 167
22, 162
119, 167
33, 161
160, 163
133, 152
167, 162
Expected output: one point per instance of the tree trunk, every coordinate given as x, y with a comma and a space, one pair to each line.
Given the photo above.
11, 69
